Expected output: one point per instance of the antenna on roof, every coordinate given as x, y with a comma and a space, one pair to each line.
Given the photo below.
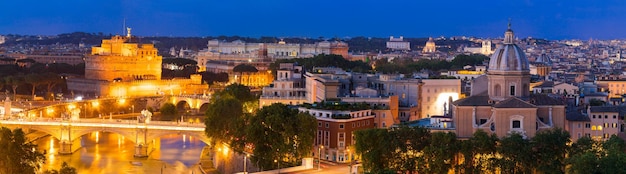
124, 26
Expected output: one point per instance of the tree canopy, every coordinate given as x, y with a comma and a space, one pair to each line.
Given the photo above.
241, 68
410, 150
168, 111
17, 154
324, 60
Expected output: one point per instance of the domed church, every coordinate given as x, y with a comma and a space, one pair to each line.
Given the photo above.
506, 106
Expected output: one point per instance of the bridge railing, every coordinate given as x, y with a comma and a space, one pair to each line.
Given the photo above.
109, 121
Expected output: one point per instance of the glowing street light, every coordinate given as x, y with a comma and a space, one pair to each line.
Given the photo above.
319, 160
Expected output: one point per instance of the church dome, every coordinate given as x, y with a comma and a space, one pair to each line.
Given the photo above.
544, 58
508, 56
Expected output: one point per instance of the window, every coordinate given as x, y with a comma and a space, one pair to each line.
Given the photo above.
587, 125
517, 124
383, 115
593, 127
368, 122
483, 121
496, 90
341, 126
606, 116
594, 116
614, 116
327, 126
512, 92
319, 124
384, 125
353, 125
579, 127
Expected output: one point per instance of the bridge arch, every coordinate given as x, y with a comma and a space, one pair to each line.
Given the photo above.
200, 135
203, 107
183, 105
129, 134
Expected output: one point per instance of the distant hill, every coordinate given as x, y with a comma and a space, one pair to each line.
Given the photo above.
357, 44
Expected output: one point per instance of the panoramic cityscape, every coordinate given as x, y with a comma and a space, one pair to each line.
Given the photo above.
313, 87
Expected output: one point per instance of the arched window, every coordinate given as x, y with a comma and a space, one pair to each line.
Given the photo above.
497, 90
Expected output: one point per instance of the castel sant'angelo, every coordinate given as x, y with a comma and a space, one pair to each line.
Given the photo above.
122, 67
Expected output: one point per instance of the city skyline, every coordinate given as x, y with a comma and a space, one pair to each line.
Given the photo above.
550, 19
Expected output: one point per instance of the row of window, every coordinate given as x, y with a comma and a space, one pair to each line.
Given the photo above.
341, 126
605, 116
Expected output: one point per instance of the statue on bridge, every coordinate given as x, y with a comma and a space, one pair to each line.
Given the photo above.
145, 116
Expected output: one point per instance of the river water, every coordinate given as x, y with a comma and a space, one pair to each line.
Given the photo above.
111, 153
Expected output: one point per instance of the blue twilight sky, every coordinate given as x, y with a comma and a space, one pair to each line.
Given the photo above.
552, 19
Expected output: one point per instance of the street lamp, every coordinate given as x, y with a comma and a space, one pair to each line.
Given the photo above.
319, 160
276, 161
245, 158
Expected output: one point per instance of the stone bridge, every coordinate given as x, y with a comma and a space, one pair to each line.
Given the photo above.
142, 134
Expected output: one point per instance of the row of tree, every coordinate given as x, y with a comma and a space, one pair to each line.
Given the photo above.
416, 150
274, 132
325, 60
17, 154
408, 66
33, 80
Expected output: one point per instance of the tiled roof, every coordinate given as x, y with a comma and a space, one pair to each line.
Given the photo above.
473, 101
513, 102
544, 100
574, 115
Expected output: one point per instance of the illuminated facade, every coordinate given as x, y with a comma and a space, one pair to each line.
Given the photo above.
288, 88
122, 59
120, 67
398, 43
507, 106
219, 50
430, 46
256, 79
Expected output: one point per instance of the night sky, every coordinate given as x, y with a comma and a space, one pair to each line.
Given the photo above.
551, 19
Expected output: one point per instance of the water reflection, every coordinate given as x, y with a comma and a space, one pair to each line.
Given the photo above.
104, 152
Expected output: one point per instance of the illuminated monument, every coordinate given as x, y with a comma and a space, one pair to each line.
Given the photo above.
121, 58
121, 66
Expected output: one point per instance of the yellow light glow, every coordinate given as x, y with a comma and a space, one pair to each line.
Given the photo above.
443, 99
225, 151
95, 104
49, 110
121, 101
71, 106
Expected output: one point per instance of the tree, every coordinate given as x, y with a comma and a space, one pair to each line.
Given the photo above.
278, 132
51, 80
210, 77
375, 148
550, 148
168, 111
440, 154
583, 163
17, 154
478, 152
34, 80
238, 91
596, 102
241, 68
65, 169
225, 122
516, 154
14, 81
